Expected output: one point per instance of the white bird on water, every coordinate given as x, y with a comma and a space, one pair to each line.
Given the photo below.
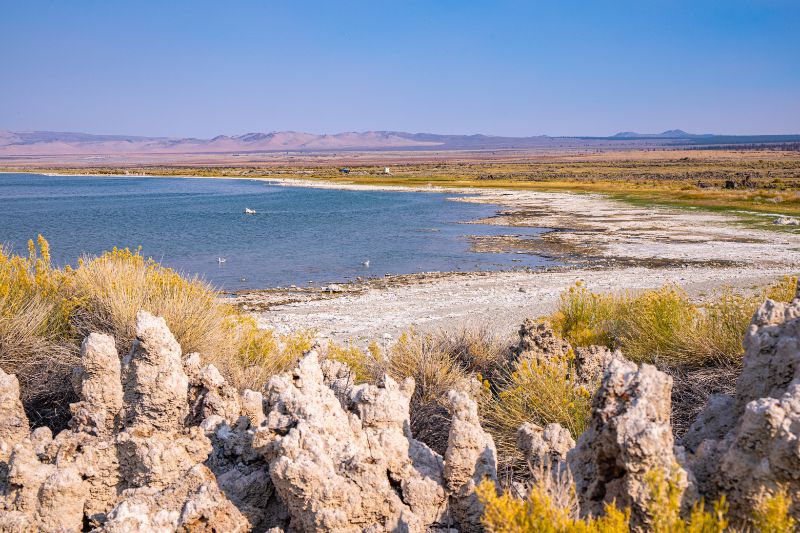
220, 260
365, 263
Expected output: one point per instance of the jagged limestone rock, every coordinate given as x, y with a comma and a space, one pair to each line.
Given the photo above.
470, 459
714, 422
13, 423
772, 353
252, 403
154, 381
545, 449
761, 450
142, 471
98, 382
194, 504
384, 414
209, 395
338, 470
538, 341
340, 379
629, 435
591, 363
51, 498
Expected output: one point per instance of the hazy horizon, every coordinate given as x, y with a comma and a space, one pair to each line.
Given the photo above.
412, 132
507, 68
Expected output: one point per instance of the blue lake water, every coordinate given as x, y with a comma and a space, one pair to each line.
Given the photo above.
298, 234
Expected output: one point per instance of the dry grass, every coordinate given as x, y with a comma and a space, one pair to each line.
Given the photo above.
45, 312
33, 327
365, 366
435, 371
109, 290
772, 513
665, 326
541, 392
698, 343
539, 512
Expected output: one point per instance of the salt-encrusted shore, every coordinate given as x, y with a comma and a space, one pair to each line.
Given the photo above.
610, 245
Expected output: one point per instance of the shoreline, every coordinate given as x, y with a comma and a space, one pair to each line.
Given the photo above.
501, 300
609, 244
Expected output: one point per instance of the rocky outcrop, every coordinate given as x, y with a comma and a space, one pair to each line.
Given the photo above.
538, 341
629, 435
349, 470
339, 378
128, 461
471, 458
591, 363
160, 442
545, 449
13, 423
752, 444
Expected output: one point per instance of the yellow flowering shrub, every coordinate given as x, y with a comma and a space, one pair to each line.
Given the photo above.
504, 513
539, 512
665, 325
541, 392
581, 316
361, 364
771, 515
665, 509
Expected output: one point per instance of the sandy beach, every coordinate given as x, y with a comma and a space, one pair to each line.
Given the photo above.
607, 244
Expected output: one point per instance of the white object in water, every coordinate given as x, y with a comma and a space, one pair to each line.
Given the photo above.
248, 211
365, 263
220, 260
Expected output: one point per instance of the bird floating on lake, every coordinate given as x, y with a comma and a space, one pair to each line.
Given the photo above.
365, 263
248, 211
220, 260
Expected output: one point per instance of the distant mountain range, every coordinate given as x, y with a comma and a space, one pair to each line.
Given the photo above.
16, 144
669, 134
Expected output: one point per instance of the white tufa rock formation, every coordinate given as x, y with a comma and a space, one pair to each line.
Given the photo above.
753, 446
629, 435
470, 459
545, 448
161, 442
349, 470
127, 461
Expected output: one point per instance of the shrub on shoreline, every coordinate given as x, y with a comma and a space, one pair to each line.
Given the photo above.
665, 326
45, 312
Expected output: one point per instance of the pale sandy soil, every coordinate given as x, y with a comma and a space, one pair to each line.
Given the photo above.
501, 299
610, 245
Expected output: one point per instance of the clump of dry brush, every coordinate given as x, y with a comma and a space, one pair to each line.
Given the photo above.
698, 342
46, 311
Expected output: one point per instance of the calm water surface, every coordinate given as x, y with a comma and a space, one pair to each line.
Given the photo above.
298, 235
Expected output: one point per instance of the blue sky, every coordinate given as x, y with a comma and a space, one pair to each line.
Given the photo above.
497, 67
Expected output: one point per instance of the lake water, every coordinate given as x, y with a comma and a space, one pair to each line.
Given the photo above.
298, 234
